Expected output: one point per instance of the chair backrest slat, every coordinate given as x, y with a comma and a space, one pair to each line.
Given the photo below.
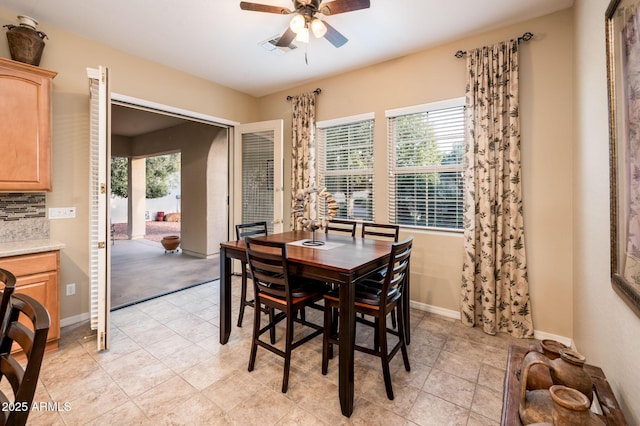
341, 226
383, 231
253, 229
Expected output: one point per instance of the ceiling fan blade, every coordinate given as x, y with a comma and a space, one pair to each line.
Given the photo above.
342, 6
286, 38
257, 7
334, 36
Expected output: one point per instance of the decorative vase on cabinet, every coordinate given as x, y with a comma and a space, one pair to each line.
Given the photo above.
26, 43
25, 139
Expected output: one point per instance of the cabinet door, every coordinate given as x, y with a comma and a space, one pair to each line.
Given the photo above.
43, 287
25, 135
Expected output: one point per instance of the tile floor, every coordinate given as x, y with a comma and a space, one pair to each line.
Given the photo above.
142, 268
166, 366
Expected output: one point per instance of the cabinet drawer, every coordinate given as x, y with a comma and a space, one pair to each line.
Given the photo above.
30, 263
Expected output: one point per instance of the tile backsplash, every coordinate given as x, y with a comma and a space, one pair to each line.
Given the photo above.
23, 216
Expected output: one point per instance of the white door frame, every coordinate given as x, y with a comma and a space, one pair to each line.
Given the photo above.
278, 171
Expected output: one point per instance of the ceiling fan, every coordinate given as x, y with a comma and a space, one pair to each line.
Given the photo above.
306, 18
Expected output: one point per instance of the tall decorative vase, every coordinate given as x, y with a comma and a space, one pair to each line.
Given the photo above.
26, 43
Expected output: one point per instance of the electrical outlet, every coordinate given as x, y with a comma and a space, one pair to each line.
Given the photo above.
71, 289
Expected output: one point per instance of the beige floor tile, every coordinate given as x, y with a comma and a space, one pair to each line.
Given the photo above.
266, 407
231, 391
487, 403
458, 366
94, 404
429, 410
369, 414
128, 413
138, 372
450, 388
167, 366
476, 419
300, 417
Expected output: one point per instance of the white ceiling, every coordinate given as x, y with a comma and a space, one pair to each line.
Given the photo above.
217, 41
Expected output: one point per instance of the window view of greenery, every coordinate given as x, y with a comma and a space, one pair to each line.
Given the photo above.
427, 165
161, 175
347, 168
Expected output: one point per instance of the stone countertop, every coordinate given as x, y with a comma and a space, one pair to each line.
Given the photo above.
15, 248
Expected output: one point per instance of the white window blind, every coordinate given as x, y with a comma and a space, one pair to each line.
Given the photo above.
257, 178
426, 146
345, 166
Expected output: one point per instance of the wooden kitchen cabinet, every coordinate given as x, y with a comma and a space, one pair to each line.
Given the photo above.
38, 275
25, 133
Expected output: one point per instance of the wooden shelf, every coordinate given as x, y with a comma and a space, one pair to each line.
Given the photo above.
612, 415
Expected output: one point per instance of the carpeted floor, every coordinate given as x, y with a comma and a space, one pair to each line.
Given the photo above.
142, 269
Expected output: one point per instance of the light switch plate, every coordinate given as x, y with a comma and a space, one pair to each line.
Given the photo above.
62, 213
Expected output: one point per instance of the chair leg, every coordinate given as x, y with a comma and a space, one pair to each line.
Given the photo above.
243, 294
394, 323
334, 328
287, 351
272, 332
326, 332
381, 332
402, 337
254, 340
376, 335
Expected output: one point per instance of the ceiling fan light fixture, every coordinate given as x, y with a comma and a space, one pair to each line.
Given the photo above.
318, 27
303, 35
298, 22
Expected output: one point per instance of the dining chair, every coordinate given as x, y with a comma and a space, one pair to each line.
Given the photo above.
378, 300
9, 281
244, 230
30, 333
340, 226
275, 288
385, 232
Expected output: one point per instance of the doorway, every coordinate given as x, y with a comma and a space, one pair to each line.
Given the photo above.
141, 268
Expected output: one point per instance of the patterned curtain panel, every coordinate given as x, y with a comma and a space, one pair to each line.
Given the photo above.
495, 288
303, 162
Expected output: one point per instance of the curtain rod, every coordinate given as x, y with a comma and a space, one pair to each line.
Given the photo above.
524, 37
317, 92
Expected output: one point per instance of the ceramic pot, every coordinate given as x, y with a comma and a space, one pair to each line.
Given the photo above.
170, 242
536, 405
539, 376
568, 370
571, 408
551, 348
26, 44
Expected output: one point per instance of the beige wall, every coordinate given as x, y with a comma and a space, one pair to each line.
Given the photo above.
204, 167
565, 166
546, 81
605, 329
70, 55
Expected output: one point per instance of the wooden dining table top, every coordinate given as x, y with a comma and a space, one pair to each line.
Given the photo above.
342, 254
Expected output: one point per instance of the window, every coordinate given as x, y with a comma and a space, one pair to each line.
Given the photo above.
345, 164
426, 145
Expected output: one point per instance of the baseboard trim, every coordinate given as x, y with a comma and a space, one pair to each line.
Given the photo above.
74, 319
435, 310
540, 335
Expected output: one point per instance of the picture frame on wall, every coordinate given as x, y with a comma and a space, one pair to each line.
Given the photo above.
622, 23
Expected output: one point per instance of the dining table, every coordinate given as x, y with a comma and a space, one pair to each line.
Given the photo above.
341, 260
